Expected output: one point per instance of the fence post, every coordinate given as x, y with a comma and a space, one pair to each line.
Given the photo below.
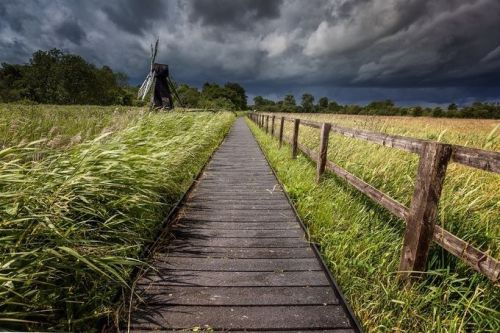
272, 125
282, 124
423, 208
296, 123
267, 124
260, 120
323, 150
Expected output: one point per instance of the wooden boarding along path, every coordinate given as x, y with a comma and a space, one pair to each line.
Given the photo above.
238, 258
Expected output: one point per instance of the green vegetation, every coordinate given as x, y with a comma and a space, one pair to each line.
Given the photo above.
61, 126
74, 223
381, 108
361, 242
54, 77
231, 96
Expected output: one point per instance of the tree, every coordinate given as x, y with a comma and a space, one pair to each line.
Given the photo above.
323, 104
289, 100
334, 107
236, 94
258, 101
190, 96
307, 102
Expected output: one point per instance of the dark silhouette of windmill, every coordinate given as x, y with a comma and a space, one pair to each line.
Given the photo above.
159, 78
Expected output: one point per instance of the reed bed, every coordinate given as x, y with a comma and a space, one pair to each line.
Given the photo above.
361, 241
72, 225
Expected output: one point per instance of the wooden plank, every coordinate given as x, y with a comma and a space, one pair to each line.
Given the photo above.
423, 209
310, 123
239, 253
239, 205
478, 260
236, 265
295, 137
476, 158
381, 198
242, 242
323, 150
244, 317
262, 226
241, 296
282, 125
232, 233
235, 279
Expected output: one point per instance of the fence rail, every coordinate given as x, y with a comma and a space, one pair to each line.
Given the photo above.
420, 216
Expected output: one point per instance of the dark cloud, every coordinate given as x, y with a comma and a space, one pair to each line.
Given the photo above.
135, 16
72, 31
350, 50
240, 14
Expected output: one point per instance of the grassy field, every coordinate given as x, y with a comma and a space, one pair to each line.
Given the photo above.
361, 241
72, 224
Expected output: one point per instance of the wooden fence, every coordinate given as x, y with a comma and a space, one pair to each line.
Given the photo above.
420, 216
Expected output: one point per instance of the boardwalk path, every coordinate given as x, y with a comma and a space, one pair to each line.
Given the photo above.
238, 258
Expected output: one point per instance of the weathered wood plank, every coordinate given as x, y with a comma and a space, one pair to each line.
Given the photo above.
242, 242
241, 296
423, 209
236, 279
295, 137
232, 233
282, 125
244, 317
290, 225
476, 158
237, 265
478, 260
239, 253
272, 125
323, 150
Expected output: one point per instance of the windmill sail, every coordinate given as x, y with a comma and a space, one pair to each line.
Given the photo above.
148, 82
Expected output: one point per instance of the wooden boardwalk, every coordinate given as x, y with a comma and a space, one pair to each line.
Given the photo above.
238, 258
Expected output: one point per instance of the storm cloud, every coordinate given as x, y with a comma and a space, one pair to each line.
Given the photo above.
412, 51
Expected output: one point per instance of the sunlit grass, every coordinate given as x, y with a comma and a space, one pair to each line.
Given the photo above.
361, 242
73, 223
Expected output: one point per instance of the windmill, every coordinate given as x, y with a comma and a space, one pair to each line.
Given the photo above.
159, 78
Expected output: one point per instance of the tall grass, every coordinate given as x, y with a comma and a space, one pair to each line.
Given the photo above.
361, 242
73, 224
61, 126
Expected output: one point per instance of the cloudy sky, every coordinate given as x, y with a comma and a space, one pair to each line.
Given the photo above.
412, 51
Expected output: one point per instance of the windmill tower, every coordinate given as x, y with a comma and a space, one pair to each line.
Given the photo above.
158, 78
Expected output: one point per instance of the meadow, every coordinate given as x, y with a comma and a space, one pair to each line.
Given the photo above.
361, 241
76, 211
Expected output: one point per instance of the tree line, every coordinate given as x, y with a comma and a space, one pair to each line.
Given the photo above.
55, 77
381, 108
230, 96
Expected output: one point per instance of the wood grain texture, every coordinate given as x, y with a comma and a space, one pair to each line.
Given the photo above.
423, 209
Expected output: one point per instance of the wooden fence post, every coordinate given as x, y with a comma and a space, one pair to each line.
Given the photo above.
424, 208
323, 150
272, 125
282, 124
267, 124
296, 123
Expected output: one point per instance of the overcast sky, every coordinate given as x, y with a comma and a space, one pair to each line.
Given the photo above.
353, 51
